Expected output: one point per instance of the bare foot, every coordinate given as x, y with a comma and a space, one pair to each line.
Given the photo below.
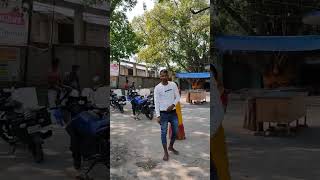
173, 150
166, 157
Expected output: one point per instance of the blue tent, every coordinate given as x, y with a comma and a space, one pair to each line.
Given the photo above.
202, 75
268, 43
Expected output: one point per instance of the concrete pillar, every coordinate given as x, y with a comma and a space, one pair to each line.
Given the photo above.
56, 34
44, 31
134, 69
78, 27
147, 72
54, 30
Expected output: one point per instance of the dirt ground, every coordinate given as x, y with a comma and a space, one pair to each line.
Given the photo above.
272, 158
136, 151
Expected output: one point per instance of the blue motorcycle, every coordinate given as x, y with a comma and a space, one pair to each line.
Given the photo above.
141, 104
89, 127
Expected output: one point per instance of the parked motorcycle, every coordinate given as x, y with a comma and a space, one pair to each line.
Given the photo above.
141, 104
24, 127
117, 102
92, 124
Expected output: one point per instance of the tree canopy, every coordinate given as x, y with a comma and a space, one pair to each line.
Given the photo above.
173, 36
123, 40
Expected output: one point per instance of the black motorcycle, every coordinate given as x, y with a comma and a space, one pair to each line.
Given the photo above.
26, 127
141, 104
117, 102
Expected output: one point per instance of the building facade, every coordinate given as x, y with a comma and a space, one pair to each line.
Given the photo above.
64, 29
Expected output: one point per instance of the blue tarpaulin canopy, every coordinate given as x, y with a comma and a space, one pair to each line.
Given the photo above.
268, 43
193, 75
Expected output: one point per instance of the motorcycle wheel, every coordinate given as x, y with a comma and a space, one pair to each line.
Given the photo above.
37, 150
121, 109
150, 115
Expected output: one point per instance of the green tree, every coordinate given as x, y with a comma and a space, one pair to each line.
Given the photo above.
123, 40
173, 36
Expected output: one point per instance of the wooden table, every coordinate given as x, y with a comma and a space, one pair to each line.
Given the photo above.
279, 108
196, 96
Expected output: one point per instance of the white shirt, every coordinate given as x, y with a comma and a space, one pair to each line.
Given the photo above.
165, 96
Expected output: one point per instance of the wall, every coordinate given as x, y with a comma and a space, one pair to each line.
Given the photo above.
41, 29
144, 82
141, 72
91, 62
96, 35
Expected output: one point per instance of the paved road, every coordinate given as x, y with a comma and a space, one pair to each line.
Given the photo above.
272, 158
136, 151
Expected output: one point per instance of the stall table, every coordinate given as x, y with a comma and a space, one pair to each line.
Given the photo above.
196, 96
280, 108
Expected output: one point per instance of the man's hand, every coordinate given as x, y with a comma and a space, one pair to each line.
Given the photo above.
158, 120
170, 108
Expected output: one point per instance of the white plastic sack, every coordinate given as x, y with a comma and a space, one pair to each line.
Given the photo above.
27, 96
100, 97
118, 92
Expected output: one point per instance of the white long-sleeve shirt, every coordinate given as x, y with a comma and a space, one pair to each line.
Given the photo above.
165, 96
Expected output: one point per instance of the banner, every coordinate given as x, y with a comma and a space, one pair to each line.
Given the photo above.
9, 64
114, 70
13, 22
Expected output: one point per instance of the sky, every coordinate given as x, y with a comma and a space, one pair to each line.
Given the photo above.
138, 9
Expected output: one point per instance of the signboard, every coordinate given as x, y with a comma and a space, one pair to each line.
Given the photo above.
13, 22
114, 69
9, 64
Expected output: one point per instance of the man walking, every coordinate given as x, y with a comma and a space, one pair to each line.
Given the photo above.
166, 97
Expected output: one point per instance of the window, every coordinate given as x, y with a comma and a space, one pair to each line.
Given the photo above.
130, 72
66, 33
